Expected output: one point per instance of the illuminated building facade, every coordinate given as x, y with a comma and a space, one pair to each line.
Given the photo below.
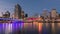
53, 13
22, 15
45, 13
18, 11
6, 15
59, 15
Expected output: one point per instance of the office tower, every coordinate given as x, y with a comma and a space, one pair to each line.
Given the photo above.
53, 17
53, 13
49, 15
22, 15
6, 15
1, 13
45, 13
12, 16
18, 10
59, 15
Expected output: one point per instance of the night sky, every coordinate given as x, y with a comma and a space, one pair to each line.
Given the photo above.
29, 6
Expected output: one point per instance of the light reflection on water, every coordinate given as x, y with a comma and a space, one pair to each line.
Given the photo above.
41, 27
10, 27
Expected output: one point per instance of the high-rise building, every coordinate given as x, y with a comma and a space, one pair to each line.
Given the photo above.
59, 15
53, 13
6, 15
22, 15
49, 15
18, 11
45, 13
12, 16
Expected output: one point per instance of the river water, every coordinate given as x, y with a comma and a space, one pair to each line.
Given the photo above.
29, 28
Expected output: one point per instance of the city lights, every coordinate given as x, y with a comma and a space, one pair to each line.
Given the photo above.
29, 17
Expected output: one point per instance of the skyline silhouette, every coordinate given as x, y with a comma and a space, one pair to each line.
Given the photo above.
30, 6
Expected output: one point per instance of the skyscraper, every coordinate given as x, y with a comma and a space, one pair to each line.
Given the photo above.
49, 15
22, 14
59, 15
18, 10
53, 13
45, 13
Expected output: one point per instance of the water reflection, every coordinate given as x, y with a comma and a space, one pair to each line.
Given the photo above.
30, 28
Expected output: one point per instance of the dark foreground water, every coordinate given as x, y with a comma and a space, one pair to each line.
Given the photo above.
20, 28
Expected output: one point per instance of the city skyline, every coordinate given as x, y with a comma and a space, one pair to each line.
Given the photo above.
29, 6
